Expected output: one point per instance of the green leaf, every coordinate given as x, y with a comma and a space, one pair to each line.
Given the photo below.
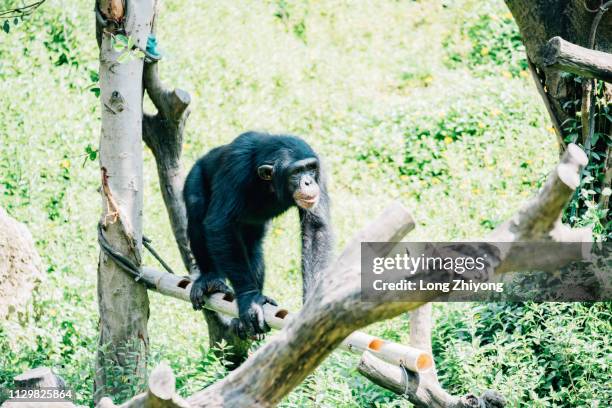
120, 42
122, 39
6, 27
94, 76
91, 152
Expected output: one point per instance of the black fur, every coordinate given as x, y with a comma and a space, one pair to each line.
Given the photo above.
228, 208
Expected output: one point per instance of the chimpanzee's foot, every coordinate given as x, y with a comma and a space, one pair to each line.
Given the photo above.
206, 286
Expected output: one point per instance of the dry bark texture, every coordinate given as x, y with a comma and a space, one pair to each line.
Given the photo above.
565, 56
20, 265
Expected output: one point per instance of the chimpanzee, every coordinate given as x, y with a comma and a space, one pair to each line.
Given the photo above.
231, 194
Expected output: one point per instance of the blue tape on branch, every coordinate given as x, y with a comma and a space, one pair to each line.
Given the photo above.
152, 52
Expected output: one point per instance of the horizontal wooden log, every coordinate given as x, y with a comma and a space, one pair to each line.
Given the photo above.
565, 56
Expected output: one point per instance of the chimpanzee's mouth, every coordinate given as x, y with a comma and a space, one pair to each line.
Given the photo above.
308, 202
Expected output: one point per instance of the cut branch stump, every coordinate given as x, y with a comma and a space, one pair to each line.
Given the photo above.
565, 56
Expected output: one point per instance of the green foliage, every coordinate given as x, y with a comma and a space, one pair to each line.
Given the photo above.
372, 89
529, 352
293, 14
585, 208
488, 39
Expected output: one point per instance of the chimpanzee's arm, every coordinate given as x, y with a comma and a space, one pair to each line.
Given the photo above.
317, 242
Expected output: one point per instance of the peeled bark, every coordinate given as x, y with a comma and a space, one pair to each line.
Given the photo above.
123, 303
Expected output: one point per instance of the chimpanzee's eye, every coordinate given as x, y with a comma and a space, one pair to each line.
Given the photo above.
312, 167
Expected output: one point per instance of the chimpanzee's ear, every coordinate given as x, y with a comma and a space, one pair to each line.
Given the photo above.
265, 171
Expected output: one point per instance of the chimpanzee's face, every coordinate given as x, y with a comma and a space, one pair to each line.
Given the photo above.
303, 177
301, 180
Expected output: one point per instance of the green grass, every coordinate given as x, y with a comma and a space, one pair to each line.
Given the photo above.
403, 104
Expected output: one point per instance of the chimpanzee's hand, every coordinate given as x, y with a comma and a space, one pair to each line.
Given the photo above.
206, 286
250, 310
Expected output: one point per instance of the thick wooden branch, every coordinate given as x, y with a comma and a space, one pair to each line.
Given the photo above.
163, 134
171, 103
565, 56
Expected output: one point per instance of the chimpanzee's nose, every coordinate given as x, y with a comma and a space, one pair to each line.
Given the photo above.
308, 181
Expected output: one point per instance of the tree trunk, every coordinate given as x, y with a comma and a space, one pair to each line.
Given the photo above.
123, 303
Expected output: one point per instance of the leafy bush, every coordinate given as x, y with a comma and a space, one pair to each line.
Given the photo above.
537, 355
